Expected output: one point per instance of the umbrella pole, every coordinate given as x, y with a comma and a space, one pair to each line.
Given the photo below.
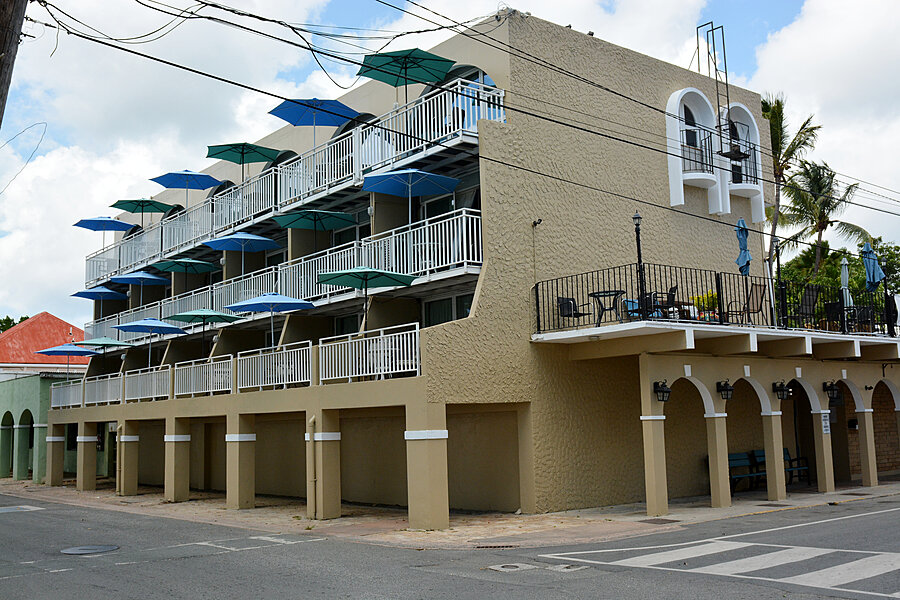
150, 351
272, 324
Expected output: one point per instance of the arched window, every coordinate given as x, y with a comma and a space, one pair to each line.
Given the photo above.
353, 123
227, 184
690, 126
283, 157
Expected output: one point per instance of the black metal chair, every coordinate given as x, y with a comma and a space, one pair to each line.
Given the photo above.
804, 311
753, 305
570, 309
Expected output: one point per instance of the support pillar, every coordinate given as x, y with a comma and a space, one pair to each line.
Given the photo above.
867, 447
323, 465
426, 465
129, 446
56, 453
39, 453
824, 459
178, 459
87, 457
21, 432
773, 444
240, 478
6, 450
717, 448
655, 482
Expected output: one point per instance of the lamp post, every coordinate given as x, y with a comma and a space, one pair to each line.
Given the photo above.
642, 301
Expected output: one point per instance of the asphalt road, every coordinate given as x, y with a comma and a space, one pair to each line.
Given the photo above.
851, 550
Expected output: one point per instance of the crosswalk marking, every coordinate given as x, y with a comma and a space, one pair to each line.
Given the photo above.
658, 558
863, 568
762, 561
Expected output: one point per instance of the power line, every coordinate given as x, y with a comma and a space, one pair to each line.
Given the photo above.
30, 156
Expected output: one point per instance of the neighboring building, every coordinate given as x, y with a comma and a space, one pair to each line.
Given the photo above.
25, 379
497, 380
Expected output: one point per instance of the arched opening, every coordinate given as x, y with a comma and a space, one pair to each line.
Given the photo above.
807, 422
283, 157
744, 138
361, 119
687, 450
886, 420
745, 430
845, 437
23, 446
690, 125
225, 185
6, 445
466, 72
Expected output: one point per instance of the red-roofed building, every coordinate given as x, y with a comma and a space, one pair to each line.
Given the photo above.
19, 344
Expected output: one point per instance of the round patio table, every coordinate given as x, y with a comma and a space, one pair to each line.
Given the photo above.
610, 295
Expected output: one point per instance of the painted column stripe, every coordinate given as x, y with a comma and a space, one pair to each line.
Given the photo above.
327, 436
425, 434
5, 426
39, 425
21, 426
240, 437
865, 410
56, 438
820, 412
772, 413
715, 415
306, 436
180, 437
86, 439
653, 417
128, 438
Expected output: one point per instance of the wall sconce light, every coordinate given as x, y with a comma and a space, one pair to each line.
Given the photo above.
661, 390
831, 389
781, 390
222, 261
536, 222
868, 388
725, 389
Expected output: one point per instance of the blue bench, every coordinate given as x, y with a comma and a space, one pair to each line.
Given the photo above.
792, 466
741, 465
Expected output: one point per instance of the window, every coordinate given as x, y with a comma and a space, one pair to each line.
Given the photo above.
446, 309
275, 257
346, 324
690, 132
355, 232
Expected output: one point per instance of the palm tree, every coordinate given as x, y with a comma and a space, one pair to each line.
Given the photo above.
815, 201
785, 151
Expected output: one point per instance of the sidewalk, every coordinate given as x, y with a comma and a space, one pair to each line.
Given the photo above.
381, 525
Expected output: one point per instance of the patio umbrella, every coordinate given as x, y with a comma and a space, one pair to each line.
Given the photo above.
150, 326
142, 205
242, 153
104, 342
101, 293
845, 283
409, 183
314, 112
316, 220
273, 303
204, 315
67, 350
245, 242
186, 180
874, 274
140, 279
401, 67
744, 258
186, 265
362, 278
103, 224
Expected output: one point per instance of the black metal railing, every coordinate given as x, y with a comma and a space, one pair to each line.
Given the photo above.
696, 151
652, 292
745, 170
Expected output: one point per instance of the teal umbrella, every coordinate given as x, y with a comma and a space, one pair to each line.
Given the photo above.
242, 153
324, 220
362, 278
142, 205
186, 265
400, 67
104, 343
204, 315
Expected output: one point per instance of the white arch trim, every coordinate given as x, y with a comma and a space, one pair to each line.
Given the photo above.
895, 392
757, 202
708, 407
673, 142
765, 403
814, 402
854, 392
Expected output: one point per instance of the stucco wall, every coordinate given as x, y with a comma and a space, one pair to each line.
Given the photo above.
151, 452
373, 457
281, 457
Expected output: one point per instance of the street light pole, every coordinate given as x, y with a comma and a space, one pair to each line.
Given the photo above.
642, 301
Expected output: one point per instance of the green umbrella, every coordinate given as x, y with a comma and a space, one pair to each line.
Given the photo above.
362, 278
242, 153
104, 342
185, 265
204, 315
316, 220
142, 205
401, 67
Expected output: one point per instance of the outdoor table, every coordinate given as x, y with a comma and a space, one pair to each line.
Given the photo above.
602, 309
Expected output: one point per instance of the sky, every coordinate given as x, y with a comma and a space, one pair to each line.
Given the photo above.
113, 120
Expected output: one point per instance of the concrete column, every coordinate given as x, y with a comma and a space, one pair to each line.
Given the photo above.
655, 482
178, 459
129, 446
774, 446
6, 450
87, 457
867, 447
56, 453
717, 448
323, 465
824, 460
39, 453
240, 477
20, 451
527, 495
426, 465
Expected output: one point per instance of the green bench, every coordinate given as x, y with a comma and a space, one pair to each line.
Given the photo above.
752, 466
741, 465
792, 466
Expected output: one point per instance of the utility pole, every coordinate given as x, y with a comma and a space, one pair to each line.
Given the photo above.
12, 14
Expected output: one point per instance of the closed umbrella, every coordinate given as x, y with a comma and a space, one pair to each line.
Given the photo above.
874, 274
101, 293
744, 258
186, 180
242, 153
142, 205
316, 220
67, 350
313, 112
402, 67
140, 279
273, 303
151, 326
845, 283
408, 183
203, 315
363, 278
103, 224
244, 242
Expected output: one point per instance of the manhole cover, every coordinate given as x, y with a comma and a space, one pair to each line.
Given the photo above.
89, 549
512, 567
774, 505
659, 521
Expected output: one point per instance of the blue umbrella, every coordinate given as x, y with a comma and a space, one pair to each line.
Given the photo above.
314, 112
150, 326
874, 274
67, 350
101, 293
409, 183
744, 258
140, 278
273, 303
103, 224
245, 242
186, 180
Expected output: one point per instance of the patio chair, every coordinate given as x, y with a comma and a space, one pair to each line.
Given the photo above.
753, 305
656, 304
570, 309
805, 311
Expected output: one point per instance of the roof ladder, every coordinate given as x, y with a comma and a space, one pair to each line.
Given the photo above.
729, 136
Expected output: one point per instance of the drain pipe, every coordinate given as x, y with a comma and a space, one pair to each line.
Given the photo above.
119, 429
311, 500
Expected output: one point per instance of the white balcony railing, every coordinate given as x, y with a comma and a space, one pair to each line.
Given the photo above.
279, 366
150, 311
102, 328
243, 288
147, 384
66, 394
377, 353
204, 376
421, 124
299, 278
193, 300
103, 389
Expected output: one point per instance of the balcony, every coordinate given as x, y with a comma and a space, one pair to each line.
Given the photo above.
423, 126
693, 304
745, 173
441, 247
697, 157
368, 355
